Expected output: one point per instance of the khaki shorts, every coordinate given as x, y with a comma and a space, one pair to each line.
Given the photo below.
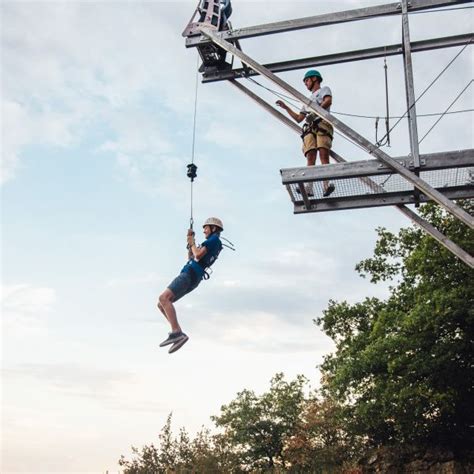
321, 140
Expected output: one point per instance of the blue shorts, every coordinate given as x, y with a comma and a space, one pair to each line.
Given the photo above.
183, 284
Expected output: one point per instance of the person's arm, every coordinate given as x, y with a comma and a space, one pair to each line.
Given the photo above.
194, 251
327, 101
298, 117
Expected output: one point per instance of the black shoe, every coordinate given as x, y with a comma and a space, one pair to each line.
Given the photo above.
309, 191
172, 338
178, 344
329, 190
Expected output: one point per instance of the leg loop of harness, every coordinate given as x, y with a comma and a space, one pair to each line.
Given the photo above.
315, 129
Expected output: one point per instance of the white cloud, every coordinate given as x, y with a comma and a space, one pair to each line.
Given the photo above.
133, 280
25, 309
90, 68
25, 299
263, 332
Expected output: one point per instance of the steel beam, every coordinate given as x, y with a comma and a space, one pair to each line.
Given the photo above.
356, 169
415, 218
410, 86
347, 131
437, 235
325, 20
339, 58
370, 200
410, 93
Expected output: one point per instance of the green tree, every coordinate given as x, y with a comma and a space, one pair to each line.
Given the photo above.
257, 427
403, 367
183, 455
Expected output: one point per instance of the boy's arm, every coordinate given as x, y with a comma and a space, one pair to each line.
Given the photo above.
193, 250
297, 116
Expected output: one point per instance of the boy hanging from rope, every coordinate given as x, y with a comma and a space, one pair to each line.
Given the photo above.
200, 258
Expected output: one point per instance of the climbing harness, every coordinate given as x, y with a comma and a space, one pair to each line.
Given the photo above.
314, 128
208, 270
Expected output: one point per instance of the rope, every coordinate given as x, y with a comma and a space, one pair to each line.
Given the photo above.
191, 219
450, 105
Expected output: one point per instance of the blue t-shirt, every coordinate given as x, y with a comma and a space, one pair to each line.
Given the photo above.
214, 247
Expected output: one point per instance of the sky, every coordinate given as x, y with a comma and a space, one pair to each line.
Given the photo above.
97, 120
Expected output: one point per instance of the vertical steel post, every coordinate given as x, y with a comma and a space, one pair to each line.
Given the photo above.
410, 93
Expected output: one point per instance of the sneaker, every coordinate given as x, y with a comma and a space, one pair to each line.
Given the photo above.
329, 190
309, 191
172, 338
178, 344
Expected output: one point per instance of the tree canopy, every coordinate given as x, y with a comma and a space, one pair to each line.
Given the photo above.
403, 367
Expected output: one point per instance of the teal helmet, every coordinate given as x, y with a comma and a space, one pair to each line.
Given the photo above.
313, 73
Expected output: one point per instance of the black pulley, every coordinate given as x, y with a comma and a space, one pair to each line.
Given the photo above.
192, 168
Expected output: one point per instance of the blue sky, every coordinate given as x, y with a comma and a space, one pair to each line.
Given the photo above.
97, 107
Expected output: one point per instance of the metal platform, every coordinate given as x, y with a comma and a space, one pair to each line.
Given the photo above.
371, 184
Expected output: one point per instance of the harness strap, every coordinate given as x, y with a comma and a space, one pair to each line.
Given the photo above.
314, 128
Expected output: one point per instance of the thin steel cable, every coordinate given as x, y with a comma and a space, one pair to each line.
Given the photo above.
294, 102
450, 105
289, 99
440, 11
191, 219
373, 117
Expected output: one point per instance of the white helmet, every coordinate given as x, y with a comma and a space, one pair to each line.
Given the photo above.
214, 221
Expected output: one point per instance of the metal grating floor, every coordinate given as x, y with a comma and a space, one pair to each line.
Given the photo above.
389, 183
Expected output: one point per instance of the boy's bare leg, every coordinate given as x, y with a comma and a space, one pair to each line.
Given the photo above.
311, 157
162, 310
324, 157
310, 161
166, 302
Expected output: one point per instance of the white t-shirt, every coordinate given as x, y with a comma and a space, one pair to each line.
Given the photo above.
317, 97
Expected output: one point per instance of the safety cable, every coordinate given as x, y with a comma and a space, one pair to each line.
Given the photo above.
289, 99
192, 167
450, 105
434, 114
440, 11
294, 102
